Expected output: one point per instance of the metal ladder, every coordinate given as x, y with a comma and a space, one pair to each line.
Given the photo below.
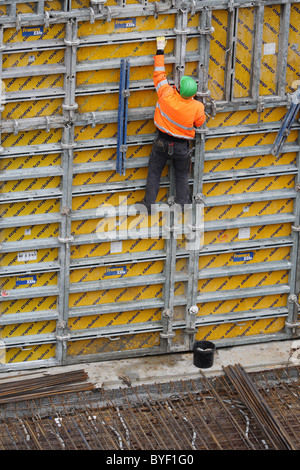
122, 116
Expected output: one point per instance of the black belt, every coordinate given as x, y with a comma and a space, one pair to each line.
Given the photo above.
170, 138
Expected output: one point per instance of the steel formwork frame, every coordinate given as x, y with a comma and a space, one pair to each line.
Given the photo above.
70, 118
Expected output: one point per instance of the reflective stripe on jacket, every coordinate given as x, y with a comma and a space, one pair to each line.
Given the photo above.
173, 114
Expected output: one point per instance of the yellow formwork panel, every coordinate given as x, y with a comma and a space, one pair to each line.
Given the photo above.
34, 137
244, 52
121, 25
45, 206
251, 140
39, 82
31, 353
116, 272
116, 247
244, 304
240, 329
101, 131
113, 319
129, 226
115, 199
243, 163
108, 102
217, 59
292, 73
29, 232
244, 258
35, 108
31, 184
107, 345
34, 33
29, 257
28, 305
271, 29
251, 233
246, 117
25, 329
100, 155
98, 177
32, 58
249, 185
30, 161
242, 281
233, 211
115, 294
28, 281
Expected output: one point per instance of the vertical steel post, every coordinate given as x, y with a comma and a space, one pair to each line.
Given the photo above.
294, 276
283, 48
172, 218
257, 51
65, 238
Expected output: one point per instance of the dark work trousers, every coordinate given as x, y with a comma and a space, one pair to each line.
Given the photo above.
162, 151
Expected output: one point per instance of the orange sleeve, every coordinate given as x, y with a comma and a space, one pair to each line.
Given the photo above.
159, 76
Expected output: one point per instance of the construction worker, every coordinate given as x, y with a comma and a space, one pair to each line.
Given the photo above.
176, 116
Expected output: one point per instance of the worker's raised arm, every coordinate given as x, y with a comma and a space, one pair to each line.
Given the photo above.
159, 76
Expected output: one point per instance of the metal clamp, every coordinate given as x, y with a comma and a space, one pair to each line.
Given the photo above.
167, 335
70, 107
47, 19
200, 198
126, 93
67, 146
74, 43
65, 211
210, 30
66, 240
181, 31
294, 300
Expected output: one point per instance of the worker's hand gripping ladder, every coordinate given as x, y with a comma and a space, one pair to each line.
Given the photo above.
122, 116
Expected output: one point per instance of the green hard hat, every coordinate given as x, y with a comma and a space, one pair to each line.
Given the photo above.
188, 87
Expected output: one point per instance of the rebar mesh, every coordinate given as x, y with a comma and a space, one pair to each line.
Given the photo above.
200, 414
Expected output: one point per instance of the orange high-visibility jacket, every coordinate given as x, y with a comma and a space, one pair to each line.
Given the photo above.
174, 115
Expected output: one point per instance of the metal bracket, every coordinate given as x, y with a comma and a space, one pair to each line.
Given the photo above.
200, 198
294, 300
65, 211
47, 19
260, 105
70, 107
126, 93
296, 229
66, 240
292, 325
167, 313
167, 335
210, 30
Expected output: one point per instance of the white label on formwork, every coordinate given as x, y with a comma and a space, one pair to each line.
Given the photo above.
27, 256
270, 48
116, 247
244, 232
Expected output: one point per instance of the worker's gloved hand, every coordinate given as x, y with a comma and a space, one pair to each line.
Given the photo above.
161, 43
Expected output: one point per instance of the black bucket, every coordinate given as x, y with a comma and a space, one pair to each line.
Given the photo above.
203, 354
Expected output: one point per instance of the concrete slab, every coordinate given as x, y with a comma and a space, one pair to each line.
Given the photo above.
171, 367
176, 366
